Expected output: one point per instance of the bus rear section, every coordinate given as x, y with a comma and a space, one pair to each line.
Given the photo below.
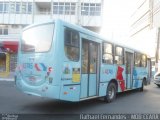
36, 60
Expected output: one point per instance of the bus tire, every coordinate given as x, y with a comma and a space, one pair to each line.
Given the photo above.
158, 85
110, 92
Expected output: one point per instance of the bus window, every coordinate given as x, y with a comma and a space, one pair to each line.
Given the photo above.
107, 53
38, 38
140, 60
119, 56
85, 51
137, 59
72, 44
144, 61
93, 58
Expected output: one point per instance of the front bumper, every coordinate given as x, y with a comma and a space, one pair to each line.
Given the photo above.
44, 90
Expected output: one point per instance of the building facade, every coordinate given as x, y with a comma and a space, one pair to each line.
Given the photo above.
16, 14
145, 27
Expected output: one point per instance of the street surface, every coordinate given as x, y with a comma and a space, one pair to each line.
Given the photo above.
16, 102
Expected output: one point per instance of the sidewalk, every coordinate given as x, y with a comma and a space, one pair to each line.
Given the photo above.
8, 78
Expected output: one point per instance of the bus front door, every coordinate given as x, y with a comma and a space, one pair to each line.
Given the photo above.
89, 68
129, 69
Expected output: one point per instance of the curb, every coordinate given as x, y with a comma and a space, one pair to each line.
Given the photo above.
6, 79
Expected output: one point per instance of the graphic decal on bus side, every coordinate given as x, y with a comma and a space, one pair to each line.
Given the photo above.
66, 70
119, 77
76, 74
36, 66
40, 65
108, 71
135, 78
44, 67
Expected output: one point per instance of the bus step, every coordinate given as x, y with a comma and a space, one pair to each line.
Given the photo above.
87, 98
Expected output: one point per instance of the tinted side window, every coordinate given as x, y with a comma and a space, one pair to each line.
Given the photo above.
107, 53
144, 61
137, 59
93, 58
140, 60
71, 39
119, 55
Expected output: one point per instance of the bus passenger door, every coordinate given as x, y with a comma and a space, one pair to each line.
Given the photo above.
89, 68
129, 61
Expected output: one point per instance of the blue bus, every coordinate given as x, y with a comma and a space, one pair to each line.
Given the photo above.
63, 61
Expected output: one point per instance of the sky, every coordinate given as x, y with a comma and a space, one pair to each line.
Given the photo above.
116, 25
116, 19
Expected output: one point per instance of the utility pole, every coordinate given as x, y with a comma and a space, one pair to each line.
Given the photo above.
157, 50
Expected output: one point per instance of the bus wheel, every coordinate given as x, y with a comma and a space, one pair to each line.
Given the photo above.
158, 85
110, 93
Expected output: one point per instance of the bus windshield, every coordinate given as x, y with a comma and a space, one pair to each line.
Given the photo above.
38, 38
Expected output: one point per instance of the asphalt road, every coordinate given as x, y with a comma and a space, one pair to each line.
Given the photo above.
16, 102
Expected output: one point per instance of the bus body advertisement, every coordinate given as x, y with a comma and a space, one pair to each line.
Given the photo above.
67, 62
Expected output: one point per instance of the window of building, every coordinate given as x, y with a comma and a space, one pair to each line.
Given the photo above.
3, 30
119, 55
93, 9
6, 7
29, 8
107, 53
18, 7
0, 31
1, 7
73, 8
66, 8
2, 62
85, 8
98, 9
12, 7
71, 38
24, 7
14, 26
55, 8
61, 8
